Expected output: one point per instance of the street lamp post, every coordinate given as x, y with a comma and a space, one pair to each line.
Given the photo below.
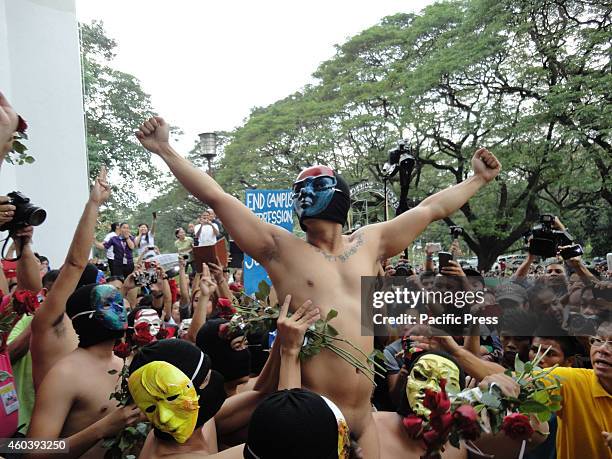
208, 148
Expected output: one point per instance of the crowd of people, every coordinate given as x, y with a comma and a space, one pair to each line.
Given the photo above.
89, 348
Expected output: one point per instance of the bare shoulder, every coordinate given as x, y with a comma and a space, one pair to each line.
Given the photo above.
67, 368
385, 419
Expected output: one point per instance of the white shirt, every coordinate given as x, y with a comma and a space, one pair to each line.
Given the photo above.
110, 254
207, 235
144, 243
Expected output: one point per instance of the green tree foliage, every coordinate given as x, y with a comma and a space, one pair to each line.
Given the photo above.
115, 105
528, 79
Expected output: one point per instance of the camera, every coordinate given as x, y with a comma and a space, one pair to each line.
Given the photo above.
546, 240
102, 266
26, 214
571, 251
443, 260
403, 270
401, 153
455, 231
145, 278
579, 324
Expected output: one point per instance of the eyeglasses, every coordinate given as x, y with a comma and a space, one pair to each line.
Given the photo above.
318, 183
600, 342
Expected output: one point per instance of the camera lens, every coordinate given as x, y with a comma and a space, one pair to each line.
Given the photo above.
35, 215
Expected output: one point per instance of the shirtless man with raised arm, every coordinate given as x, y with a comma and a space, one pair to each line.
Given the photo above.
327, 267
72, 401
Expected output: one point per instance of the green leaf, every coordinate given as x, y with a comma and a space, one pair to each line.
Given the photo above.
331, 315
519, 366
544, 416
531, 406
108, 443
491, 400
4, 376
18, 147
331, 330
454, 439
540, 396
263, 291
29, 159
143, 428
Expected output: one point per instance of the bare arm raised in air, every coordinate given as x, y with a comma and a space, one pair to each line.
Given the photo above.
396, 234
207, 287
256, 237
76, 259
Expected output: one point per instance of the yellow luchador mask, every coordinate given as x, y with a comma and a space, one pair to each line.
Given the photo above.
167, 397
426, 374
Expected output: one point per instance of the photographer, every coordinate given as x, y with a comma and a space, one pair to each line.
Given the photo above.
184, 244
206, 231
146, 237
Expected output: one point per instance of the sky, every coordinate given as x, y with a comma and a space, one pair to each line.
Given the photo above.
206, 63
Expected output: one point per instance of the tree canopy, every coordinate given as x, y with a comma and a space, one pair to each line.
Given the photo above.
530, 80
115, 106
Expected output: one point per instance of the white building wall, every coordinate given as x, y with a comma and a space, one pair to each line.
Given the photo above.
40, 73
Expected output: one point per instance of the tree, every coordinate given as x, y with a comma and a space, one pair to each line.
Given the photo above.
115, 105
529, 79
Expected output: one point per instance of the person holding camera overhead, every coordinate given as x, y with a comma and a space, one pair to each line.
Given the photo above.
123, 245
183, 244
206, 231
146, 237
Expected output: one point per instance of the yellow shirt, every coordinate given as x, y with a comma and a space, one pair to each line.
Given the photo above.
586, 412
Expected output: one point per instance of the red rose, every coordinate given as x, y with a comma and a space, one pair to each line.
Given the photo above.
162, 334
432, 439
437, 402
442, 423
517, 426
142, 328
25, 302
236, 287
224, 302
466, 420
413, 425
22, 126
122, 350
225, 309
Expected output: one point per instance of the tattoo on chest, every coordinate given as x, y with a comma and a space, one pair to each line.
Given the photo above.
356, 241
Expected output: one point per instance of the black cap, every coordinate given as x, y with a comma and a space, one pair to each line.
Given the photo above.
296, 424
182, 354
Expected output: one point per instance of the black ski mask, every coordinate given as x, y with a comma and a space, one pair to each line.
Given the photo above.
230, 363
305, 425
186, 357
319, 192
97, 313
